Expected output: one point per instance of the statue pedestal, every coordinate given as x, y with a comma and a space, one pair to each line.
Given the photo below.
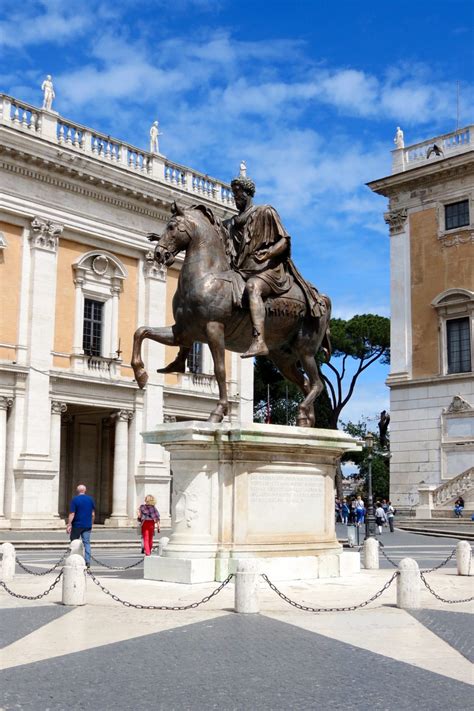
251, 491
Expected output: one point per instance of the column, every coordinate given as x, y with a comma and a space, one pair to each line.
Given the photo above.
115, 290
119, 493
57, 410
78, 313
400, 297
5, 404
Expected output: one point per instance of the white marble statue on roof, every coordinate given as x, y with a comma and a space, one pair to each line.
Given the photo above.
398, 140
48, 93
154, 137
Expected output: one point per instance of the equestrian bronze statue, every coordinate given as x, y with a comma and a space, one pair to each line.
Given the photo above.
239, 290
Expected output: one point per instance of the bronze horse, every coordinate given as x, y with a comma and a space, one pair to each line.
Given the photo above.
206, 310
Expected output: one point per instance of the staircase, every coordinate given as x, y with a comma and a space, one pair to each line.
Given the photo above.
447, 493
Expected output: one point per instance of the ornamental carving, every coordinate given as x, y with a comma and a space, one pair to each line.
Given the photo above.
459, 404
454, 240
45, 234
58, 408
124, 415
5, 403
152, 270
396, 219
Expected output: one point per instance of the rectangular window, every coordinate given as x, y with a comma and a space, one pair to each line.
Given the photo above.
92, 330
457, 214
195, 358
459, 345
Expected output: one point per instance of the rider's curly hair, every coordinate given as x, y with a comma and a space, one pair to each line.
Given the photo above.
246, 183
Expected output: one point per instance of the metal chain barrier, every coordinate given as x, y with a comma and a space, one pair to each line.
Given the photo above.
43, 572
429, 570
191, 606
32, 597
114, 567
438, 597
349, 608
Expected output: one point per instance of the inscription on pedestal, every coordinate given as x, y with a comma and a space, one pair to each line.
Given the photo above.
271, 498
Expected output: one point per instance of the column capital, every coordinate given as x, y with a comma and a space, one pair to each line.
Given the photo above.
58, 408
45, 234
124, 415
5, 402
396, 219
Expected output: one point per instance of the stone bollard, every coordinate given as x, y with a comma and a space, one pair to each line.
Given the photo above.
463, 558
162, 543
371, 554
77, 547
408, 584
8, 562
247, 579
74, 580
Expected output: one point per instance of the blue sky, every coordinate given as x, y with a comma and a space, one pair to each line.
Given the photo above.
309, 93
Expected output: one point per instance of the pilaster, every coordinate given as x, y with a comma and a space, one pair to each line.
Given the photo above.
5, 404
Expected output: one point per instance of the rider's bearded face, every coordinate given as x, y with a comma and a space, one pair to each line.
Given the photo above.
241, 197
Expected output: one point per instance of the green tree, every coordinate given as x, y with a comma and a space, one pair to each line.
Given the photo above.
365, 339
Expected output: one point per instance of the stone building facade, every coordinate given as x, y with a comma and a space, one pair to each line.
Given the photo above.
431, 222
76, 279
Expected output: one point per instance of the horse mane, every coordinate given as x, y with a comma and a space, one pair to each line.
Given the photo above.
217, 224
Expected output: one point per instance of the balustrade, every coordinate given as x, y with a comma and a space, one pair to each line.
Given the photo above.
448, 143
453, 488
53, 128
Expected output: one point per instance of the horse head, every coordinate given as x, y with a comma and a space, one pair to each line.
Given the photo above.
174, 239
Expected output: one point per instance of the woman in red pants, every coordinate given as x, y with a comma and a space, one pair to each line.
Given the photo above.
148, 516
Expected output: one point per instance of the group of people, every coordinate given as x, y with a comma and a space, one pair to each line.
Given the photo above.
82, 516
354, 512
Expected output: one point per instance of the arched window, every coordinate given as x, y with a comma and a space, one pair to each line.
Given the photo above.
455, 309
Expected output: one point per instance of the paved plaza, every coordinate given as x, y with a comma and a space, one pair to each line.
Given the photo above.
108, 656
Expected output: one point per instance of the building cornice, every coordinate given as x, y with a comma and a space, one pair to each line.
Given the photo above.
426, 175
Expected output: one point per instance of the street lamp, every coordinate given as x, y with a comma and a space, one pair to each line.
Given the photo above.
370, 519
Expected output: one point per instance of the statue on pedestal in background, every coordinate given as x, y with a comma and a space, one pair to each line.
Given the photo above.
48, 93
154, 137
398, 140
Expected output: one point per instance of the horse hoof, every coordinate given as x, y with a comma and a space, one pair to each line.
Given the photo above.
142, 378
303, 422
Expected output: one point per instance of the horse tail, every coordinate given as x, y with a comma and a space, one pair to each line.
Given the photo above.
326, 346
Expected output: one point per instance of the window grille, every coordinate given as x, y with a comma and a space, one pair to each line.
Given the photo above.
459, 345
457, 214
92, 329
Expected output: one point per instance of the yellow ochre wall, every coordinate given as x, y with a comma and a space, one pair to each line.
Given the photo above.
10, 283
68, 253
434, 269
128, 312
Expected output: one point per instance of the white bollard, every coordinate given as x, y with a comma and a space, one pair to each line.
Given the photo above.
162, 543
74, 581
247, 580
8, 564
77, 547
408, 584
371, 554
463, 558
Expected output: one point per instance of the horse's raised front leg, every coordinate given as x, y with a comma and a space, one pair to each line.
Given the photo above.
215, 339
162, 335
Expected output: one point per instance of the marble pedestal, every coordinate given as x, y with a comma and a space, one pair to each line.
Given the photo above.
251, 491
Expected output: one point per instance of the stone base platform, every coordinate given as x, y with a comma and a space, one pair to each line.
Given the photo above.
251, 491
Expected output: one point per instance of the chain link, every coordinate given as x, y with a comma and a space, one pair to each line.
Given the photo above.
438, 597
428, 570
350, 608
191, 606
114, 567
43, 572
32, 597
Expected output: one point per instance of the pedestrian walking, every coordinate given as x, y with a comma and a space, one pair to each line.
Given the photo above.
380, 517
148, 516
345, 512
81, 519
391, 516
360, 511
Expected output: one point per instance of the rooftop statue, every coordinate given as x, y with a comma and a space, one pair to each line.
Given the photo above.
154, 138
239, 289
48, 93
399, 140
